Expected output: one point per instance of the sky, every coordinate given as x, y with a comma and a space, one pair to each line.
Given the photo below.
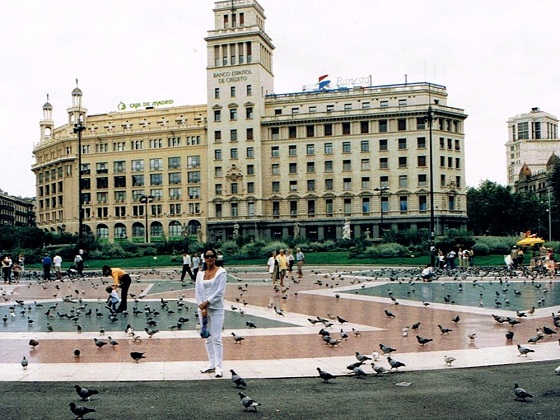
497, 58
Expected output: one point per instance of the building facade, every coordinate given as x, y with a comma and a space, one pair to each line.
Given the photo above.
16, 211
532, 139
254, 162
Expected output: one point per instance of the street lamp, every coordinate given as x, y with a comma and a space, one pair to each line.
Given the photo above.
78, 128
549, 217
430, 120
145, 199
381, 189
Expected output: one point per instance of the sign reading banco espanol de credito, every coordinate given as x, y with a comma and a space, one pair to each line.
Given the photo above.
135, 105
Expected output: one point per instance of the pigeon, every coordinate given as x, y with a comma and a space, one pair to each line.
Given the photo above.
386, 349
250, 324
548, 331
416, 325
353, 365
77, 353
136, 356
248, 402
278, 312
524, 350
513, 321
389, 314
395, 364
150, 331
343, 335
112, 342
456, 319
80, 411
85, 393
448, 360
24, 363
362, 357
325, 376
236, 379
472, 336
99, 343
378, 369
509, 335
444, 330
557, 370
536, 338
356, 332
33, 343
404, 331
423, 340
359, 372
520, 393
340, 319
238, 339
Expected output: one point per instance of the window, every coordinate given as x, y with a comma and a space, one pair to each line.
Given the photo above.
234, 188
275, 186
329, 207
310, 185
383, 163
450, 162
218, 154
310, 167
156, 164
442, 180
401, 124
366, 206
422, 180
292, 132
232, 90
457, 163
364, 146
421, 142
119, 166
293, 208
422, 203
216, 93
329, 184
218, 209
137, 165
421, 161
310, 130
250, 169
249, 112
383, 144
119, 181
366, 184
346, 147
347, 206
384, 104
442, 161
219, 189
250, 134
328, 166
293, 168
156, 143
403, 203
402, 162
366, 105
292, 150
275, 151
173, 141
449, 144
403, 181
193, 161
346, 128
328, 129
278, 111
310, 149
348, 107
346, 165
137, 144
275, 133
402, 144
347, 184
234, 209
250, 152
156, 179
365, 165
218, 171
102, 182
233, 114
458, 181
330, 108
293, 186
193, 177
249, 87
233, 153
137, 180
174, 177
328, 149
402, 102
457, 145
174, 162
441, 143
100, 168
312, 109
275, 169
364, 127
233, 135
217, 115
451, 202
420, 124
384, 181
251, 187
175, 193
311, 208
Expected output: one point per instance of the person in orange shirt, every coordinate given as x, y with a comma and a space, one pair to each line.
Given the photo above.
120, 279
282, 266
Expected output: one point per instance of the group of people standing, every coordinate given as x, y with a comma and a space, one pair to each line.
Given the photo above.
11, 271
281, 263
447, 260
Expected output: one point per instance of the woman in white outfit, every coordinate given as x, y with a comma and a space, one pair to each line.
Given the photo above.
209, 291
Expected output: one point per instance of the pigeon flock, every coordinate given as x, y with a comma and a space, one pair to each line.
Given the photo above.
503, 289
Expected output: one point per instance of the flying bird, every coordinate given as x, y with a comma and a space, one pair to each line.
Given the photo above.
248, 402
85, 393
80, 411
325, 376
236, 379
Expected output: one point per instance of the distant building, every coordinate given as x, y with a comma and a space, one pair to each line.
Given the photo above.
16, 211
532, 139
255, 161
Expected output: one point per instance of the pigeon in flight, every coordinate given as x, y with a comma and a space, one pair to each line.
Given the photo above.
85, 393
24, 363
325, 376
423, 340
80, 411
520, 393
236, 379
248, 402
524, 350
136, 356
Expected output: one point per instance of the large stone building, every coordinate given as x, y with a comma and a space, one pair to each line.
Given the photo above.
16, 211
532, 139
254, 162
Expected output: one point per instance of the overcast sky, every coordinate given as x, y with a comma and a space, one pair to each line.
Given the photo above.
498, 58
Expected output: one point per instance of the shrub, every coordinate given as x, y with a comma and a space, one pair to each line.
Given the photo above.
385, 251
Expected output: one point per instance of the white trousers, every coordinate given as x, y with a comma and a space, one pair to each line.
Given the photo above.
214, 344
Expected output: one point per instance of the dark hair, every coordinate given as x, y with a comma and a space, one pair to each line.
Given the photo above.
108, 289
204, 253
106, 270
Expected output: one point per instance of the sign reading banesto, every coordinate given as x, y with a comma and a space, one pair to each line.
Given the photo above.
135, 105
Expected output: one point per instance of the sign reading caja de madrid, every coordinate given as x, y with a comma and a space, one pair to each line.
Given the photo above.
135, 105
